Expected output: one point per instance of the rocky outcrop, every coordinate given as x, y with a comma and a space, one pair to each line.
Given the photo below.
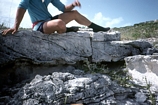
30, 53
67, 48
66, 88
144, 70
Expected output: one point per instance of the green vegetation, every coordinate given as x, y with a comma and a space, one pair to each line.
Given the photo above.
120, 75
65, 100
141, 30
151, 96
2, 26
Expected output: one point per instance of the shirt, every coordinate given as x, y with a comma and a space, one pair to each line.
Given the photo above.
38, 10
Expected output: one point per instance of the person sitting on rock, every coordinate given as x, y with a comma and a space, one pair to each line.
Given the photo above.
44, 22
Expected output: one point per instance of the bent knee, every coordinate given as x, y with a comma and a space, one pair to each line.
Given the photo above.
54, 25
61, 25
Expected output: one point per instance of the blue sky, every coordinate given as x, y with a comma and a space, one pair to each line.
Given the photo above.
123, 11
112, 13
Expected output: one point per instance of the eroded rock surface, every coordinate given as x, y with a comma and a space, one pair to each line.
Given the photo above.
66, 88
67, 48
144, 70
35, 53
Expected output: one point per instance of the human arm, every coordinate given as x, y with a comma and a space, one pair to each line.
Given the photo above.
19, 16
60, 6
71, 6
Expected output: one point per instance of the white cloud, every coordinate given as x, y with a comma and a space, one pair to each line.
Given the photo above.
53, 10
99, 17
106, 21
8, 12
113, 22
127, 24
64, 1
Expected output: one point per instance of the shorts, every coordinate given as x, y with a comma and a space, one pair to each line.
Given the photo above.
39, 25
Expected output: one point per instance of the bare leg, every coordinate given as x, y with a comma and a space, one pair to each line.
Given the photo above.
74, 15
59, 25
54, 25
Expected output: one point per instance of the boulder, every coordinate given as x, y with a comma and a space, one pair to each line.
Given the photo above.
67, 88
144, 70
67, 48
40, 48
113, 51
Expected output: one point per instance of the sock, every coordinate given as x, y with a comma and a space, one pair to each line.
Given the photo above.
97, 28
72, 29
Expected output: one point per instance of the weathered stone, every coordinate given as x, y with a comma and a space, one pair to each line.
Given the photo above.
54, 49
140, 97
156, 46
157, 98
65, 88
103, 37
67, 48
117, 50
144, 69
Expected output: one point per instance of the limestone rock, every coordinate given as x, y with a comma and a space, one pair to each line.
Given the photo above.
67, 48
140, 97
40, 48
117, 50
66, 88
144, 69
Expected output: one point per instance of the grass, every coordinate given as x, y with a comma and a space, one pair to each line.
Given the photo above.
141, 30
151, 96
120, 76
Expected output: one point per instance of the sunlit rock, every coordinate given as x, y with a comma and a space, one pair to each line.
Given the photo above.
144, 70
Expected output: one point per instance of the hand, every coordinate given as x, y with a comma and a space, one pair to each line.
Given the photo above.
76, 3
11, 30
